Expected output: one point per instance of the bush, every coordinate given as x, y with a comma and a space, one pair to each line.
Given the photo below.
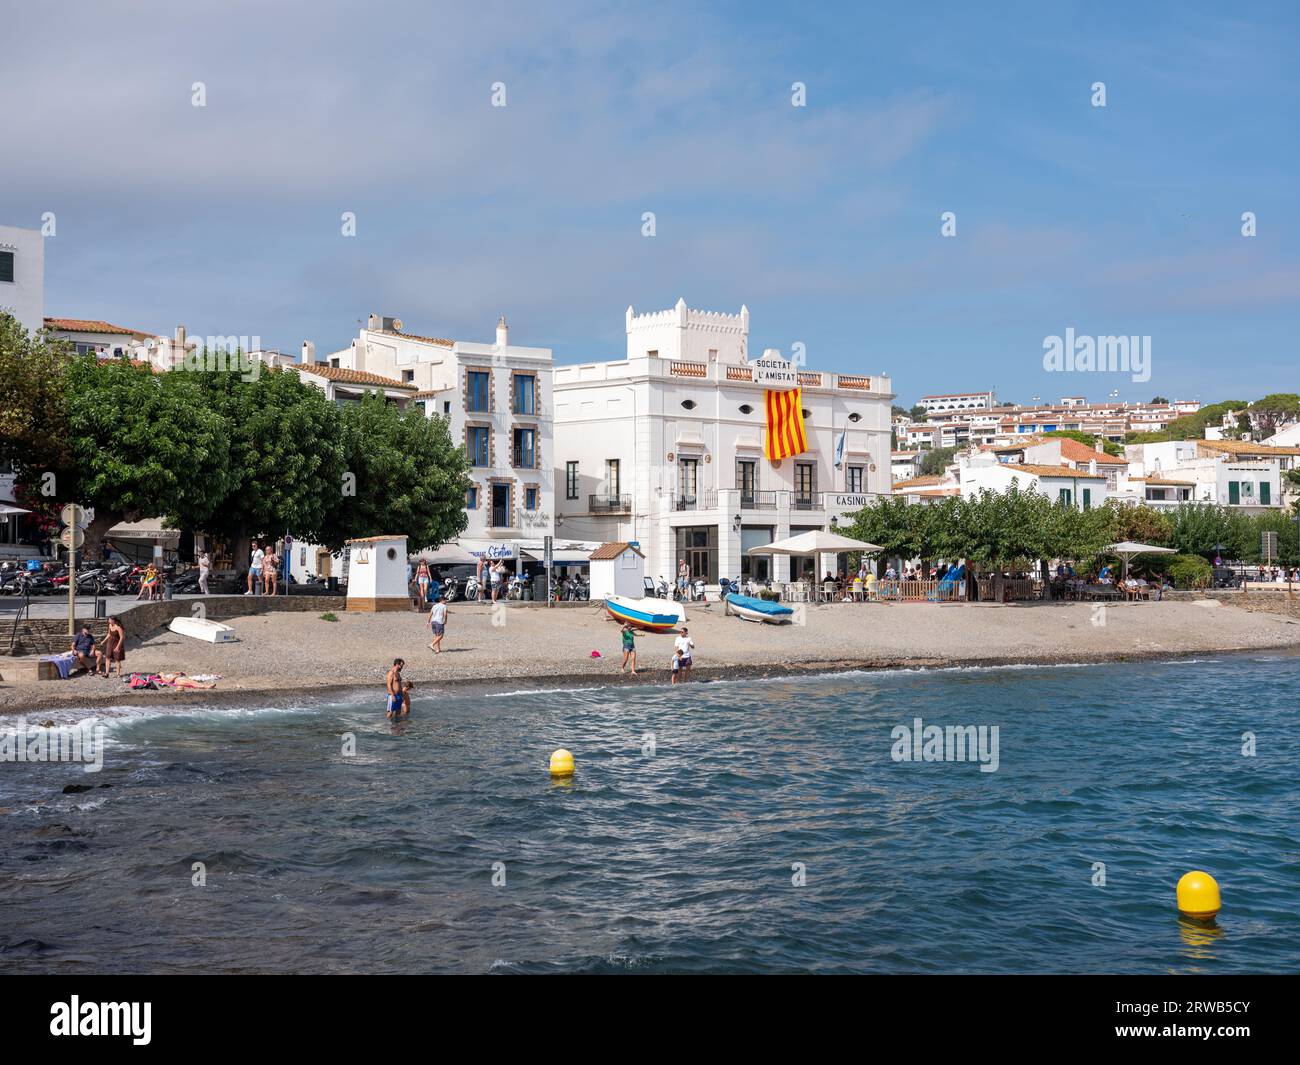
1189, 571
329, 617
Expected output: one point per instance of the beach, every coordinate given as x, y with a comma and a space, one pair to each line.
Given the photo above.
531, 646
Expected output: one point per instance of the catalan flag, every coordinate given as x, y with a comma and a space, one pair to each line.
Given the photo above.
785, 433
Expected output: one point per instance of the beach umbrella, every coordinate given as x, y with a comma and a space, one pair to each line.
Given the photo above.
816, 541
1126, 549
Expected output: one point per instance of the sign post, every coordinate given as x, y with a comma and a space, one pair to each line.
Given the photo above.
72, 538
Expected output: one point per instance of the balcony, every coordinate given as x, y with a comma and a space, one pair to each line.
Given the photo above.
609, 504
757, 500
805, 500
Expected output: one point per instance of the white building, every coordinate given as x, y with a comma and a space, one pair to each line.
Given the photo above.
944, 402
22, 276
90, 336
1079, 488
665, 447
497, 398
1231, 473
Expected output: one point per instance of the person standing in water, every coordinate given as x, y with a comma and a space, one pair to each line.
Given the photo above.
396, 693
629, 648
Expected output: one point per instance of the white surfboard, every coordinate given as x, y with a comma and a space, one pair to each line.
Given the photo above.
202, 629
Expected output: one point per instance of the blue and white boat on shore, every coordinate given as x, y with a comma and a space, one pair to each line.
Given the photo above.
651, 615
751, 608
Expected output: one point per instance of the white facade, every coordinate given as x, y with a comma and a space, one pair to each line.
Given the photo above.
959, 401
377, 574
1250, 482
1079, 488
497, 399
665, 448
620, 575
22, 276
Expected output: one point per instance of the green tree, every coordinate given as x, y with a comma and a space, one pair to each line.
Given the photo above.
410, 477
918, 413
936, 461
33, 403
141, 445
286, 458
1141, 524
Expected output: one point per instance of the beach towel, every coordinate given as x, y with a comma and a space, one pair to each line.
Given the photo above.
63, 662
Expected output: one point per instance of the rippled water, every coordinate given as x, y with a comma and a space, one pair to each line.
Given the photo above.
680, 859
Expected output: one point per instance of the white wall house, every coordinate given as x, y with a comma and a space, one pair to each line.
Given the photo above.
1079, 488
1229, 473
665, 447
90, 336
22, 276
941, 403
497, 399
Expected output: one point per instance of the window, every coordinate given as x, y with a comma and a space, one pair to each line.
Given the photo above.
476, 442
525, 394
1087, 499
853, 479
688, 479
745, 408
1234, 492
1067, 497
446, 406
746, 479
612, 478
805, 484
471, 500
1265, 493
570, 480
530, 498
408, 376
6, 266
689, 404
476, 393
524, 450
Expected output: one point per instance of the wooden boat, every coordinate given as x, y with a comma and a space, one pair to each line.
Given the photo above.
751, 608
651, 615
202, 629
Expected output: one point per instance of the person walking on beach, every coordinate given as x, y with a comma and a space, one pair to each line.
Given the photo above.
438, 623
683, 578
255, 569
270, 570
422, 580
205, 568
686, 648
112, 648
629, 648
393, 685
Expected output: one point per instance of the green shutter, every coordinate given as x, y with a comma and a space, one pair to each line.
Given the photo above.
1234, 492
1265, 493
1087, 499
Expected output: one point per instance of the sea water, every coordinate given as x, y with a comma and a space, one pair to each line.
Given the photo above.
737, 827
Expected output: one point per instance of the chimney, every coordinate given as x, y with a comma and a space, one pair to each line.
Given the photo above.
1099, 443
503, 333
180, 339
1092, 467
375, 322
308, 351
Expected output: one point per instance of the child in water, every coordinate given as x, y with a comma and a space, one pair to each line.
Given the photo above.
677, 664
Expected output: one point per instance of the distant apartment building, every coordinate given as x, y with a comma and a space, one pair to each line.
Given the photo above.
666, 447
22, 276
1237, 474
941, 403
91, 336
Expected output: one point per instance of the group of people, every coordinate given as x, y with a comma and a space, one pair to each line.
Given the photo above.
683, 653
263, 571
98, 658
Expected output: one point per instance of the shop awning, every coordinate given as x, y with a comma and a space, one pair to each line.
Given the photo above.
559, 554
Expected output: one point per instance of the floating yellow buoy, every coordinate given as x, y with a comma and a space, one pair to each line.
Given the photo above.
1198, 895
561, 763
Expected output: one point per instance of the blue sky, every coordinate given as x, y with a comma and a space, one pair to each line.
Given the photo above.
824, 220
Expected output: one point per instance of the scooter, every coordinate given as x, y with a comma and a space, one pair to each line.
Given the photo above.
662, 590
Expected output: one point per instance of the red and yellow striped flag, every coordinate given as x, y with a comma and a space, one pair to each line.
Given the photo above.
785, 434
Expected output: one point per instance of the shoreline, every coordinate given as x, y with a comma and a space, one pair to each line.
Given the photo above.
266, 695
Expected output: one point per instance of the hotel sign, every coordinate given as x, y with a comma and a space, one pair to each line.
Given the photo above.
775, 372
850, 501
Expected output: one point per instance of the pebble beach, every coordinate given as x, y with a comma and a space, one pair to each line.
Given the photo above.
532, 646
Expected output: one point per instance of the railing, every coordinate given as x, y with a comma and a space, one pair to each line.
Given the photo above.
806, 501
689, 369
517, 460
914, 591
810, 380
739, 373
1014, 589
758, 501
685, 503
853, 381
609, 504
24, 610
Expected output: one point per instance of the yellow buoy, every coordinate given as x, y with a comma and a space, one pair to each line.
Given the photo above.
1198, 895
562, 763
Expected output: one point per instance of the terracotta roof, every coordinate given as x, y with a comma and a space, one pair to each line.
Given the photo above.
1073, 451
440, 341
350, 377
918, 482
1245, 447
1162, 480
1052, 471
90, 325
612, 550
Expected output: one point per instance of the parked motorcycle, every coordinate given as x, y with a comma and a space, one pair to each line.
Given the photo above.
520, 588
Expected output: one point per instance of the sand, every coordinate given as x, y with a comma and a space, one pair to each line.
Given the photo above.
531, 646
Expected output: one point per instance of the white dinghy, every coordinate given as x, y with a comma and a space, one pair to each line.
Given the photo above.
202, 629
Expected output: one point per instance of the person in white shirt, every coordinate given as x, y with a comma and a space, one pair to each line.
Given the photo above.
205, 567
255, 569
438, 623
686, 645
